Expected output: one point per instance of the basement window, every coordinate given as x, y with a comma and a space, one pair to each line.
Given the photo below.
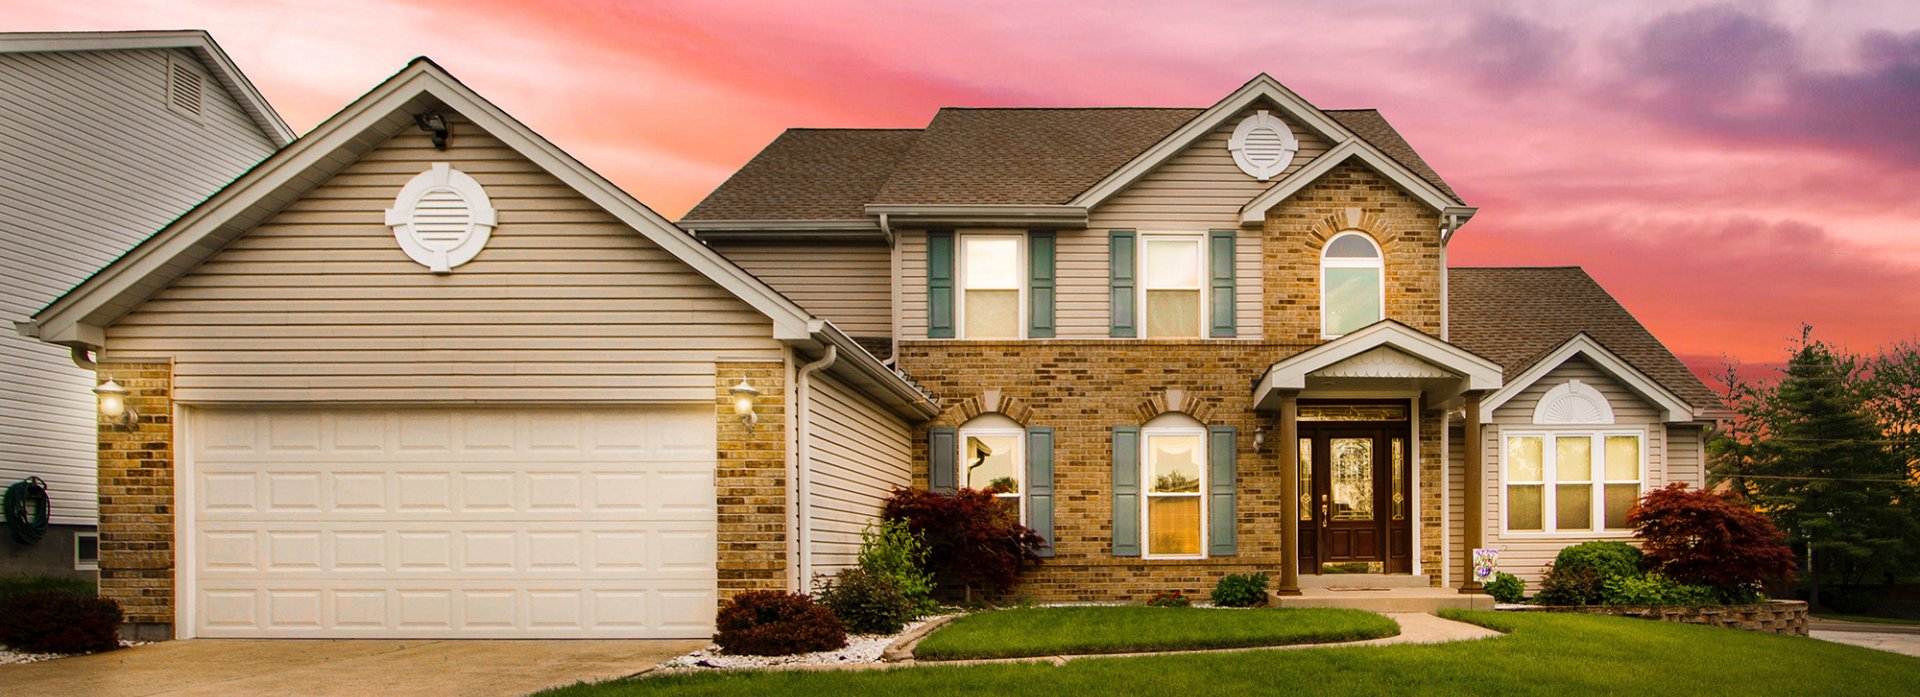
86, 551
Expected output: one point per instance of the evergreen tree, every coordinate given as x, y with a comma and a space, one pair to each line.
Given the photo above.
1810, 453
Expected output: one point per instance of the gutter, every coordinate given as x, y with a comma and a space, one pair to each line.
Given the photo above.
803, 436
900, 393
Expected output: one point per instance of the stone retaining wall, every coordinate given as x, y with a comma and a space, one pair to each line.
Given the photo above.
1774, 617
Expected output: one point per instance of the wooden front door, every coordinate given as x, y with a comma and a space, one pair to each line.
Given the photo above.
1360, 514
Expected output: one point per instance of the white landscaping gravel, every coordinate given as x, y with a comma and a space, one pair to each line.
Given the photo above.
860, 648
10, 657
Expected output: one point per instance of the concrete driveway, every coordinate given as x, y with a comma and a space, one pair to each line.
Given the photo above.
360, 667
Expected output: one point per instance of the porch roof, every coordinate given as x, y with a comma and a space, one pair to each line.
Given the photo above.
1385, 355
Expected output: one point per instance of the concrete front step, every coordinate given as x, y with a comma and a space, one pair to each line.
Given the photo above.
1364, 581
1387, 600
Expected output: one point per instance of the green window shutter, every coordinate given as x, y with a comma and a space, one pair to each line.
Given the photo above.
1120, 284
1040, 286
1040, 484
1221, 526
940, 284
943, 453
1220, 260
1126, 491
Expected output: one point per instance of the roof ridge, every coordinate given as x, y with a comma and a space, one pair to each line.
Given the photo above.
853, 128
1073, 108
1517, 268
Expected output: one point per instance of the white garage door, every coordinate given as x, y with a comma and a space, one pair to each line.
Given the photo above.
437, 522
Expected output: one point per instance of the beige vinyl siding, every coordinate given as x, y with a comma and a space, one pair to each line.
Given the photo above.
1524, 555
912, 275
91, 162
845, 283
1685, 450
566, 303
860, 452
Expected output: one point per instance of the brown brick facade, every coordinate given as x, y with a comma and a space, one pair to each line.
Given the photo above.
1351, 197
751, 481
136, 501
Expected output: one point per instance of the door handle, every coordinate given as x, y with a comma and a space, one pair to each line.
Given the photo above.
1323, 511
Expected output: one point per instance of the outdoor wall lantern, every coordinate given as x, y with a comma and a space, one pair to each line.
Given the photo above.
743, 397
113, 404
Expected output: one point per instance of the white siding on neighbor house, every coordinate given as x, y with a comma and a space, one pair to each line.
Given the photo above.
1525, 554
846, 283
1197, 190
860, 452
566, 303
91, 162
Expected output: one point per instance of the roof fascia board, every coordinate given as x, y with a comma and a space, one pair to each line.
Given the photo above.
1673, 409
200, 42
1291, 374
1206, 122
980, 214
1255, 211
852, 225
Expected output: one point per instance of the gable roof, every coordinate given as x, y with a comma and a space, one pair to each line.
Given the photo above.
1041, 157
1291, 374
199, 42
1519, 316
79, 317
821, 174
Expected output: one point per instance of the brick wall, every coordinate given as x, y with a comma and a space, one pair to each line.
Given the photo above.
1351, 197
751, 481
1787, 617
1083, 388
136, 501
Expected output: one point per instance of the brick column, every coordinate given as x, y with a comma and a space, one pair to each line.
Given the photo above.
136, 501
751, 481
1475, 491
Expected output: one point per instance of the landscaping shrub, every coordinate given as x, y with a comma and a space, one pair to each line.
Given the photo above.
1169, 599
867, 602
1700, 537
1507, 588
1240, 590
1579, 574
59, 623
1656, 589
15, 585
972, 539
892, 550
772, 623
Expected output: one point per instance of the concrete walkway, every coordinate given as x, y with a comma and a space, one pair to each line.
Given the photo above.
213, 667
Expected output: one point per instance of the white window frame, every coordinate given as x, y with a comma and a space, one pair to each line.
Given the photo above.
1147, 435
1204, 277
81, 564
1549, 494
1019, 460
1022, 282
1378, 263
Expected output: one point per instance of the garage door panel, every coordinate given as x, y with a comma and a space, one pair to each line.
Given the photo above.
454, 522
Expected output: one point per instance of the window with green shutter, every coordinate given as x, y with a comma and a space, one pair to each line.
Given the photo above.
1041, 246
1121, 284
1220, 299
940, 284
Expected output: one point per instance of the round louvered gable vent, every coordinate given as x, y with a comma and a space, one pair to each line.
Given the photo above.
1263, 145
442, 218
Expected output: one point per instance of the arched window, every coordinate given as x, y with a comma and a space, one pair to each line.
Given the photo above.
993, 458
1352, 284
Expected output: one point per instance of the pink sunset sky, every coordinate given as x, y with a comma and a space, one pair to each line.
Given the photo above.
1728, 171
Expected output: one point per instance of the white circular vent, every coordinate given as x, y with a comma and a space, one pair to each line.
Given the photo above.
442, 218
1263, 145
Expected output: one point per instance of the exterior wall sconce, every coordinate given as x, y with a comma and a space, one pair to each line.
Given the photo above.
114, 406
435, 123
743, 398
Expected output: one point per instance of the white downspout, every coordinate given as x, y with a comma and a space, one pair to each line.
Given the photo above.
803, 447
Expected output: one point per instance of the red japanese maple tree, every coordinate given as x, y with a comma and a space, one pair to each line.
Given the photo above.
1716, 539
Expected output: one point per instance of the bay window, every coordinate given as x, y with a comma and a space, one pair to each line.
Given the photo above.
1568, 481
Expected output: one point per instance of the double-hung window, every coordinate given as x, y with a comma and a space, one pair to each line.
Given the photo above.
1173, 295
992, 287
1572, 481
993, 459
1174, 472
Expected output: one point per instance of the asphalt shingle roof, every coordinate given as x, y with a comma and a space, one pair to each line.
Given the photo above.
1514, 316
810, 174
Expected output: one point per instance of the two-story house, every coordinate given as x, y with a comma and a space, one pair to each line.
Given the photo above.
1190, 342
104, 137
421, 373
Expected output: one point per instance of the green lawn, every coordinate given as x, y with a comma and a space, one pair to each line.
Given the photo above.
1864, 618
1050, 631
1545, 654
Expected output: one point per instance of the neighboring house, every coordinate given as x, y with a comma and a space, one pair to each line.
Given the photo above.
422, 374
1204, 341
104, 137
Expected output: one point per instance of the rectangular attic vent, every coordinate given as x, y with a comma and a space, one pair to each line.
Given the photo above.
184, 87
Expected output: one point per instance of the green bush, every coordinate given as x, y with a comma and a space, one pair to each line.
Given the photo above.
1169, 599
1655, 589
1240, 590
1507, 588
894, 551
1579, 574
17, 585
59, 623
869, 603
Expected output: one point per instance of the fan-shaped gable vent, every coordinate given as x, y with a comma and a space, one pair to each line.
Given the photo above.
1573, 402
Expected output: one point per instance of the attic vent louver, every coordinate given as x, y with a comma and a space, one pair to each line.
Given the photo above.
185, 88
1263, 145
442, 218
